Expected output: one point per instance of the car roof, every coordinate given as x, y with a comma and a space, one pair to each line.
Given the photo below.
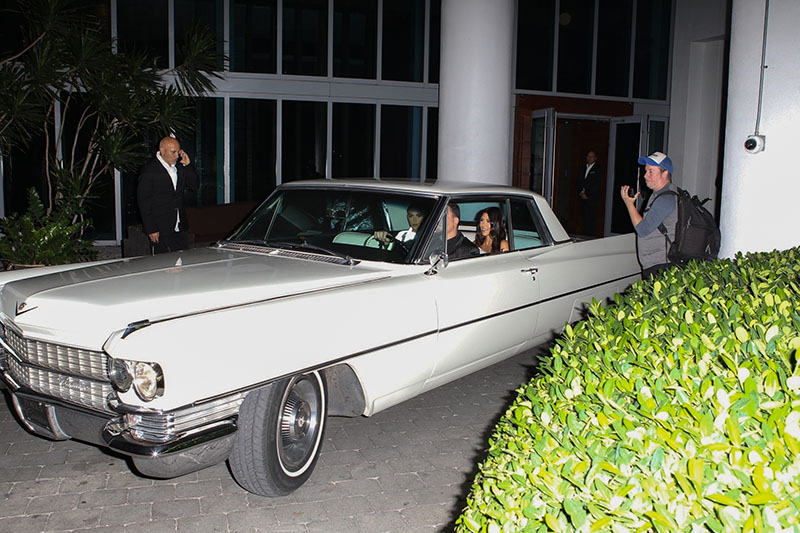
435, 187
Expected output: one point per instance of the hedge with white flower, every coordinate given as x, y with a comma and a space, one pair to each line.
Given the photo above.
675, 408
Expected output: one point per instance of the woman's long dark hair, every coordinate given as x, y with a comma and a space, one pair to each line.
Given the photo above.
497, 229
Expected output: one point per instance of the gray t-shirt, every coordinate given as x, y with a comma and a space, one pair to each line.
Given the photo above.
652, 246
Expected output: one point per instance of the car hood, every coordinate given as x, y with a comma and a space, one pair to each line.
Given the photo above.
107, 297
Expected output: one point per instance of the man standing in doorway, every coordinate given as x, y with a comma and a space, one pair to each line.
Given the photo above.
589, 193
162, 183
651, 245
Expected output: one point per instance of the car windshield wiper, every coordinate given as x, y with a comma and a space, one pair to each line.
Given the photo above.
311, 247
252, 242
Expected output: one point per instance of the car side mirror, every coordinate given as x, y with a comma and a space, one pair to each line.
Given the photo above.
438, 261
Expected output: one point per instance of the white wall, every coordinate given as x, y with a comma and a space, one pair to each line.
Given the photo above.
760, 191
697, 95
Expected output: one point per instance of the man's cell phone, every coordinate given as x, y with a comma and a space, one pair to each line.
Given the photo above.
631, 192
180, 157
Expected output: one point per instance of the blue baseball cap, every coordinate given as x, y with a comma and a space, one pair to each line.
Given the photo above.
657, 159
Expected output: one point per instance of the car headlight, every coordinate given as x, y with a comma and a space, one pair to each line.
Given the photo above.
120, 374
147, 379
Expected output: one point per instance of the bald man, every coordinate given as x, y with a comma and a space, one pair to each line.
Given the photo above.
162, 184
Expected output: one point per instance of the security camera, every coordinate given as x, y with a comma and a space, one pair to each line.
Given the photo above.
754, 144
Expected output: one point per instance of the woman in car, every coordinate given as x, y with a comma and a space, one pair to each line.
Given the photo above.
415, 216
490, 236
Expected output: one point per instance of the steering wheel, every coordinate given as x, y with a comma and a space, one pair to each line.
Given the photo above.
374, 242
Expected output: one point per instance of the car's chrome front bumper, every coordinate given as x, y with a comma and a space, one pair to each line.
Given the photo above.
62, 392
185, 452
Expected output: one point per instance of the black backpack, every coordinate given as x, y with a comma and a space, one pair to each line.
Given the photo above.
696, 233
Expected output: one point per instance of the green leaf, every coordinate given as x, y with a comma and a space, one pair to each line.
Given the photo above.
742, 334
761, 498
552, 522
574, 509
722, 499
600, 525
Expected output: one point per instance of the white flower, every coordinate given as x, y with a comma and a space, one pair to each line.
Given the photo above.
662, 415
545, 418
682, 514
708, 393
728, 479
754, 457
792, 424
719, 422
615, 502
771, 518
733, 513
793, 382
723, 399
742, 374
576, 386
788, 475
636, 434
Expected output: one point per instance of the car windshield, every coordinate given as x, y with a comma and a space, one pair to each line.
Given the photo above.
364, 225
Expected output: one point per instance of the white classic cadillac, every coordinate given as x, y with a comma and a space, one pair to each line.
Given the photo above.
332, 299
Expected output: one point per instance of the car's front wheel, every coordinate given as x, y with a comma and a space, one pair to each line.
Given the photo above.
279, 435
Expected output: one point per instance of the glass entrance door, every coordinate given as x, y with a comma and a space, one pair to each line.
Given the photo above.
542, 149
626, 143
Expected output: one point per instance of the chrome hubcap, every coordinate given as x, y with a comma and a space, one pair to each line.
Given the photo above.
299, 423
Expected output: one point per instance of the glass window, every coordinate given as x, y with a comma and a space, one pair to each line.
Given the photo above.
403, 40
142, 25
575, 41
253, 132
355, 41
11, 24
432, 160
657, 135
538, 150
401, 130
305, 37
525, 231
304, 140
535, 40
342, 223
207, 13
434, 41
651, 60
254, 32
205, 150
613, 47
353, 140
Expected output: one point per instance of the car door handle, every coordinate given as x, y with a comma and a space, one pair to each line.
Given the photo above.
532, 271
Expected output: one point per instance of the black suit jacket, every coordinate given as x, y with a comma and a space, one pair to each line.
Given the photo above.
591, 183
159, 201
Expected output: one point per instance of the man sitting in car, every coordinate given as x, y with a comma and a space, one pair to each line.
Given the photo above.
458, 246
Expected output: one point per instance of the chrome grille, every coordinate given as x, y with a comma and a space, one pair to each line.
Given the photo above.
58, 357
160, 427
73, 389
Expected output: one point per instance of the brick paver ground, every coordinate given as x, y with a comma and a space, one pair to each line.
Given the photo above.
408, 468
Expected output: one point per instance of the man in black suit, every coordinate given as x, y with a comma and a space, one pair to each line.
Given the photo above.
162, 183
458, 247
590, 193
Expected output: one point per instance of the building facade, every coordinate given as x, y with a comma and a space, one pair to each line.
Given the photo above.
350, 88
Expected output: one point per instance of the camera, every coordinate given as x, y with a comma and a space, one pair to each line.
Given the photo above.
631, 192
754, 144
